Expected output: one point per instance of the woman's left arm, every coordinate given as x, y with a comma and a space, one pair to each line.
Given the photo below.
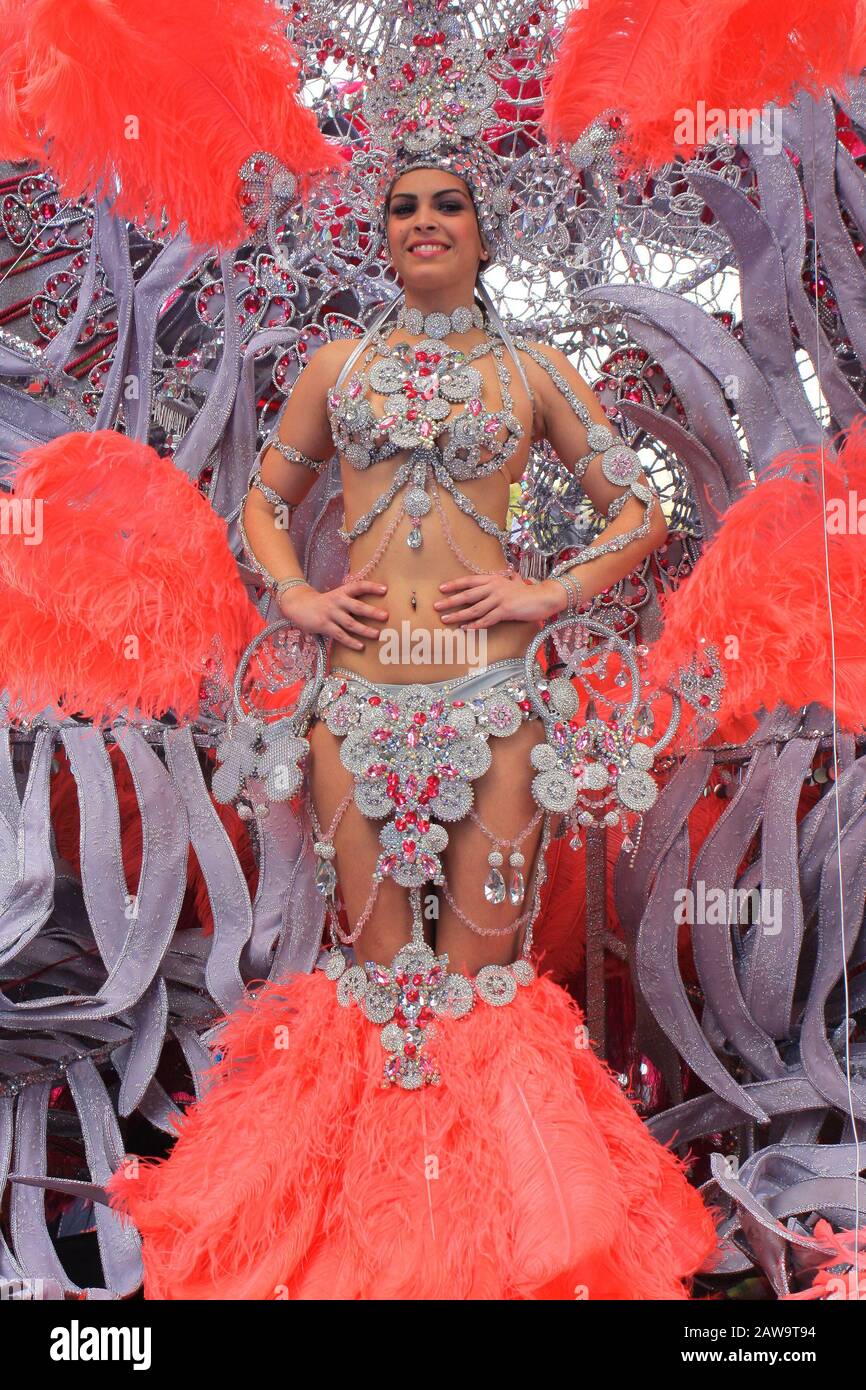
635, 527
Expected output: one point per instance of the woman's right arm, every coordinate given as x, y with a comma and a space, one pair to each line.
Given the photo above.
304, 433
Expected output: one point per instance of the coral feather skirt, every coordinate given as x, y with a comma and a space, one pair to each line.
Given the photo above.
525, 1174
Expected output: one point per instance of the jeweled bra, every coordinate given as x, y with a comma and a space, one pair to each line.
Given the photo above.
420, 382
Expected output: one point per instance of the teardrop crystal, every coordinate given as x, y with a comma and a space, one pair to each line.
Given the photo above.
517, 887
494, 887
326, 878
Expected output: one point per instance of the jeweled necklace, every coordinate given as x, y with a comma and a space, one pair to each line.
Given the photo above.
439, 325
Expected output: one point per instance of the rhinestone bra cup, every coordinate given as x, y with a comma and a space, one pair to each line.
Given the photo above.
420, 383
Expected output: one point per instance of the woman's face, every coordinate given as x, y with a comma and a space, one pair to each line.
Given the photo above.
433, 206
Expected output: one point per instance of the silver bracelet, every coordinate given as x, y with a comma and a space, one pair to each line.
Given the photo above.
281, 585
573, 591
576, 586
557, 579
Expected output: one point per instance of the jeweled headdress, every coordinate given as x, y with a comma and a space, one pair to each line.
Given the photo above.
436, 90
429, 105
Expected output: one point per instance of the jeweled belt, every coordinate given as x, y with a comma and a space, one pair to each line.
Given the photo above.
406, 997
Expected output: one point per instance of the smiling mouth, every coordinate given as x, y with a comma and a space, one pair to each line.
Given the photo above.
425, 252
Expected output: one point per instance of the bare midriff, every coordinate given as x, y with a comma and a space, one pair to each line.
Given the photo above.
414, 643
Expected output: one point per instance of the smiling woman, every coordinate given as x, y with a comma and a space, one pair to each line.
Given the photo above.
432, 795
431, 219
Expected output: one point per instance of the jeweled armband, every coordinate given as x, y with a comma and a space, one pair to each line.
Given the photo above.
290, 453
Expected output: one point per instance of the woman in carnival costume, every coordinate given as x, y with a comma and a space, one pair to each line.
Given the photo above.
422, 1116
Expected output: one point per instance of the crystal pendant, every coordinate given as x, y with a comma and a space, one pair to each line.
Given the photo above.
326, 878
413, 540
494, 887
575, 842
517, 887
644, 722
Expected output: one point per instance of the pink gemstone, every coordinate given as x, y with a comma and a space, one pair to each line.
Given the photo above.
413, 737
475, 407
436, 708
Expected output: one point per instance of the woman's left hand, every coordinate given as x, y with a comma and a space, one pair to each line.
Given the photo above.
480, 600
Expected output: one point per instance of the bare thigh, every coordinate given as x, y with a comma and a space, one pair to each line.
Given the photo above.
503, 801
356, 842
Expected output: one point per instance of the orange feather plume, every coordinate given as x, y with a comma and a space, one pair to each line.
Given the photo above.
155, 106
117, 583
653, 60
759, 592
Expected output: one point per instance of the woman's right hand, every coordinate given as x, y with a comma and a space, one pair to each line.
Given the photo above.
336, 612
